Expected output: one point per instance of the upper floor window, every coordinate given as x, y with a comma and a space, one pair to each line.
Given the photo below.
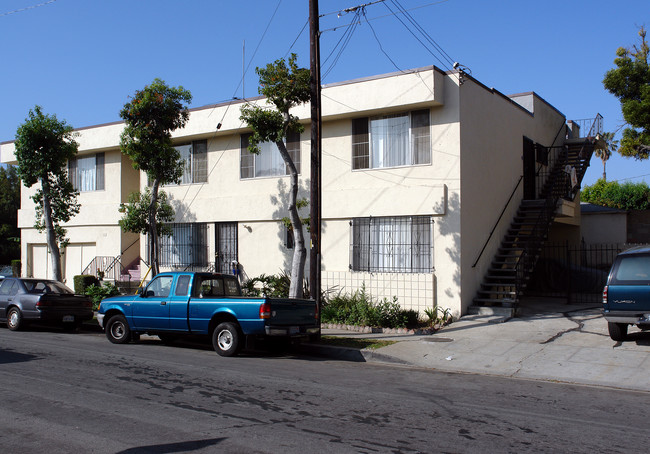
87, 173
391, 140
195, 162
268, 162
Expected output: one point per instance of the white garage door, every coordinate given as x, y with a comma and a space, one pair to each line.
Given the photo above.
38, 261
77, 258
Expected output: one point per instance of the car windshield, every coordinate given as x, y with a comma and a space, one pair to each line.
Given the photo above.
36, 286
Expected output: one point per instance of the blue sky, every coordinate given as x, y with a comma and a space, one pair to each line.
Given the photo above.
81, 59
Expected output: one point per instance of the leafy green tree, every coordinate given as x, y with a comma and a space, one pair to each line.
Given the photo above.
626, 196
630, 83
9, 205
44, 144
136, 213
151, 116
604, 153
285, 86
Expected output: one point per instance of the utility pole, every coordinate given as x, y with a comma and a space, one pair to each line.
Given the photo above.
316, 142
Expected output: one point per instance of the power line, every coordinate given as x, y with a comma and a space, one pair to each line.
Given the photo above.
385, 15
442, 54
27, 8
343, 43
297, 37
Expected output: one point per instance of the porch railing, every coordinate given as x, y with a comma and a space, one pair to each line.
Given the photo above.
107, 267
590, 127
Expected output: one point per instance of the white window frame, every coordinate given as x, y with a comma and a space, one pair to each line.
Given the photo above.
392, 244
86, 173
195, 169
251, 165
373, 147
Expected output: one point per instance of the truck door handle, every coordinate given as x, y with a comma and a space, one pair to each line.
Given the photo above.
162, 303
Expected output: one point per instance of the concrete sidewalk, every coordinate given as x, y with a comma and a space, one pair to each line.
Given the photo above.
550, 340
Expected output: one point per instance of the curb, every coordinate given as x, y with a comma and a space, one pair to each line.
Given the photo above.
377, 330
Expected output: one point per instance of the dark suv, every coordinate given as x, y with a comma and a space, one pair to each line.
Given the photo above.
626, 297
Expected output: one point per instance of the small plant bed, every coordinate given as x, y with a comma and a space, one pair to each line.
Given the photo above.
354, 343
359, 309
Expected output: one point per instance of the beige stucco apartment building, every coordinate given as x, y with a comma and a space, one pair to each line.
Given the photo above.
418, 167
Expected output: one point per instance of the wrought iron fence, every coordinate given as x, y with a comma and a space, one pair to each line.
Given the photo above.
575, 272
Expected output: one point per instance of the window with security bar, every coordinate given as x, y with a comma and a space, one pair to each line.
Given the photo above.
392, 244
187, 245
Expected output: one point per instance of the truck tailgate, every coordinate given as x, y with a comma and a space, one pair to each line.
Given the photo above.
292, 311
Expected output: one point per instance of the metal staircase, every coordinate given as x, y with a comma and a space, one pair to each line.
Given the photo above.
514, 263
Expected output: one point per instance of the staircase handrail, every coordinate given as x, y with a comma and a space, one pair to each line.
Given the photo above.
505, 207
562, 126
546, 215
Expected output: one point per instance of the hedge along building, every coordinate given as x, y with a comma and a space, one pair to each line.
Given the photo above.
422, 176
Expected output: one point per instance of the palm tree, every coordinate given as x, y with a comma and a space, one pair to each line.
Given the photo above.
605, 153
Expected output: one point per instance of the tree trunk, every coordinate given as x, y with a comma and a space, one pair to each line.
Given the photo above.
153, 231
299, 251
50, 233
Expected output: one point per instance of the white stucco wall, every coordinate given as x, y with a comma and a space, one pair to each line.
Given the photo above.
492, 132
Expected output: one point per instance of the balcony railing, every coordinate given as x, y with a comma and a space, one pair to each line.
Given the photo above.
588, 127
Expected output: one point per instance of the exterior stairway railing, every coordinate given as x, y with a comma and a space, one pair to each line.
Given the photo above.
537, 236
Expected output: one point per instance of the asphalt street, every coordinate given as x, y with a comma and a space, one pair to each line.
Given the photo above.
66, 393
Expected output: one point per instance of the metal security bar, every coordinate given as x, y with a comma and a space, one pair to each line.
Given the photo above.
226, 250
391, 244
187, 245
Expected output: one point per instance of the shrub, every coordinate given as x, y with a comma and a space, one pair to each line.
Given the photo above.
360, 309
82, 281
438, 315
99, 292
16, 267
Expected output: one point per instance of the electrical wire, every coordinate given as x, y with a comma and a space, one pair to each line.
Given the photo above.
27, 8
444, 65
297, 37
385, 15
342, 43
424, 33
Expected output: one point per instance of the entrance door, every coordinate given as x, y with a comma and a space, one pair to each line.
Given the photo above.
530, 192
225, 246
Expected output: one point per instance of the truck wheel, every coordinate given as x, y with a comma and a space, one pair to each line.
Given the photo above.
617, 331
226, 339
117, 330
14, 319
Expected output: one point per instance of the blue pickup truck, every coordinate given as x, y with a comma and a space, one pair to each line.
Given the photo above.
178, 303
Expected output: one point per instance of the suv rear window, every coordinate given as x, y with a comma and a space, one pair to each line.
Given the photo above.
632, 269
